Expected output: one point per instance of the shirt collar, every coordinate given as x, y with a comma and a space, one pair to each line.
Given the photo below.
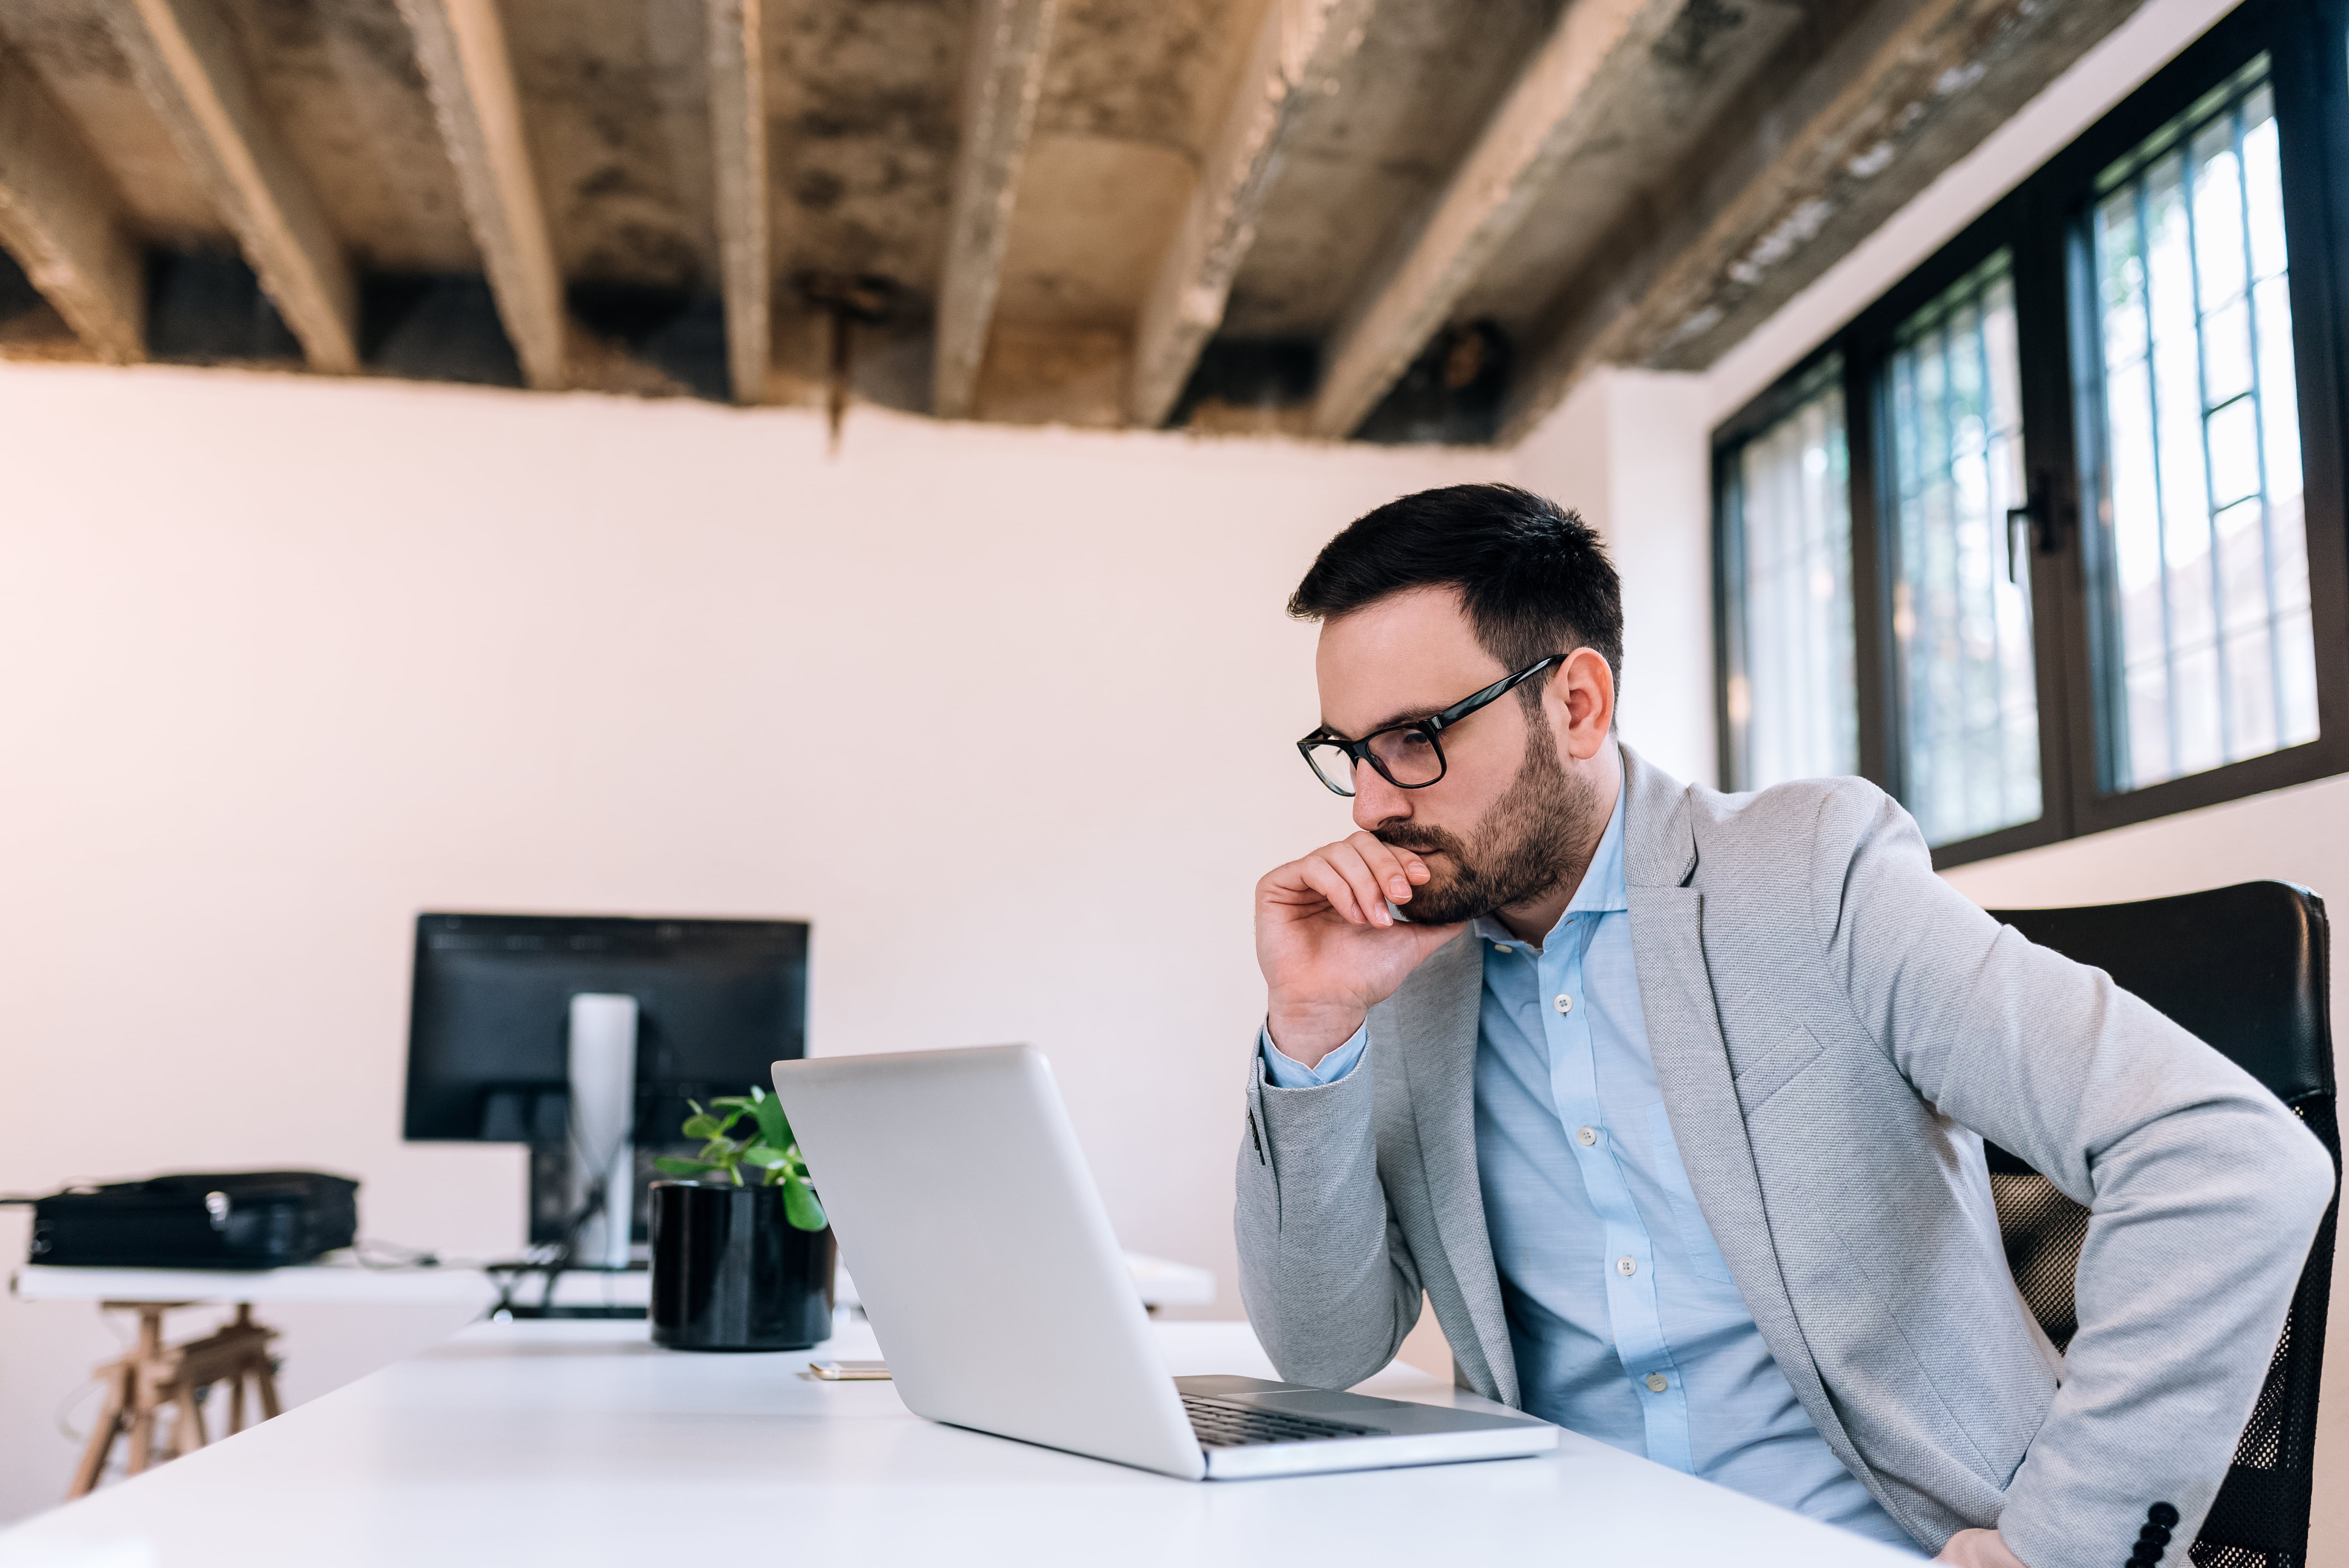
1603, 890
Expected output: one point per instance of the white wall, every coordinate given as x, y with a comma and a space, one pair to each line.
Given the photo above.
1008, 714
1631, 450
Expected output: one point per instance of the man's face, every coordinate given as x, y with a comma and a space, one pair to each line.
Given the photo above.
1504, 823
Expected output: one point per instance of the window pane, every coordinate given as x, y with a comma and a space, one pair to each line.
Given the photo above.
1792, 710
2205, 653
1960, 608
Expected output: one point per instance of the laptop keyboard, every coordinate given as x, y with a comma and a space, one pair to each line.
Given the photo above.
1225, 1426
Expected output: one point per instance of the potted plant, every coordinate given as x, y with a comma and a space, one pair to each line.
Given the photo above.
741, 1262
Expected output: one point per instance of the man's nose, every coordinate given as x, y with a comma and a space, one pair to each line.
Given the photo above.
1376, 801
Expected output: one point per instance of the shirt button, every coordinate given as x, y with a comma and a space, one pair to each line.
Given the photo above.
1586, 1136
1565, 1003
1503, 947
1627, 1267
1657, 1383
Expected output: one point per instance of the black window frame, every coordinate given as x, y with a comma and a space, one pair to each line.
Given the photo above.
2042, 224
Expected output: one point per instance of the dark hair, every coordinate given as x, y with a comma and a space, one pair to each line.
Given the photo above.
1534, 577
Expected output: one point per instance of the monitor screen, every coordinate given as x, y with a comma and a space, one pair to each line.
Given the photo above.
487, 1051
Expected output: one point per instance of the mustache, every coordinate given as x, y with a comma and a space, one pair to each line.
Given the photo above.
1420, 841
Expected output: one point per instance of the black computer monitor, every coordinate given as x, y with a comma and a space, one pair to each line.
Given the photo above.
718, 1001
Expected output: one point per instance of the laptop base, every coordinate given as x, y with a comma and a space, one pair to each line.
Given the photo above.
1385, 1434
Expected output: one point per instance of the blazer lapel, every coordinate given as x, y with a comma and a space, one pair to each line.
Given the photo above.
1693, 1069
1436, 1022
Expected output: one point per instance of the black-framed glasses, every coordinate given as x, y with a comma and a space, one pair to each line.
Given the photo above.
1407, 755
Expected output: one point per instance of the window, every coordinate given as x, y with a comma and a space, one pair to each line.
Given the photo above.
1961, 597
2205, 651
1791, 528
2051, 538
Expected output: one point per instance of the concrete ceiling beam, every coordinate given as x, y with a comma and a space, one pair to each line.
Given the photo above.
1793, 178
60, 219
1300, 49
1002, 79
192, 74
737, 131
1597, 55
460, 45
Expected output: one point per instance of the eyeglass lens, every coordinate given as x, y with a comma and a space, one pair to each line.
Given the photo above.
1408, 757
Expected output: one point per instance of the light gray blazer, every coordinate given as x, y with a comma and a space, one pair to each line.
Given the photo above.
1835, 1030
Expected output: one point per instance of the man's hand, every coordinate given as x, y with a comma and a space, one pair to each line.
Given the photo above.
1979, 1549
1328, 949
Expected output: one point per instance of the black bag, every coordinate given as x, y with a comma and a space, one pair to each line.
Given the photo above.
249, 1220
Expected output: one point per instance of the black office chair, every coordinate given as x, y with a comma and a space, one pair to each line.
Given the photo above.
2245, 969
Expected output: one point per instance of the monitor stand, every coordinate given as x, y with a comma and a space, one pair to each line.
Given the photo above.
603, 1113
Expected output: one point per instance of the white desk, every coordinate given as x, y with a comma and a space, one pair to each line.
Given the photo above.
340, 1281
337, 1282
578, 1444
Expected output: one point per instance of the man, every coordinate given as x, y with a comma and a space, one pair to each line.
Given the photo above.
1672, 1102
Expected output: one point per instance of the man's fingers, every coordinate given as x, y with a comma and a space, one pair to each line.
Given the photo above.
1362, 877
1357, 876
1324, 879
1385, 865
1390, 865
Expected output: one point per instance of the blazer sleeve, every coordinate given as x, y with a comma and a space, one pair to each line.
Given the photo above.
2204, 1191
1328, 1285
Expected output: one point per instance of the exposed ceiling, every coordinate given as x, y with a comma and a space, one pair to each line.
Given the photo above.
1386, 219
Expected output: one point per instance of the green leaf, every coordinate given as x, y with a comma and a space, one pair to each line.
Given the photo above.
800, 1206
703, 1126
775, 1127
764, 1158
671, 1167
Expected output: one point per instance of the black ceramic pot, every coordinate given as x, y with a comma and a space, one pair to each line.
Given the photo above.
729, 1272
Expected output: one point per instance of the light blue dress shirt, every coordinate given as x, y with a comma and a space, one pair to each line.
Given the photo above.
1622, 1317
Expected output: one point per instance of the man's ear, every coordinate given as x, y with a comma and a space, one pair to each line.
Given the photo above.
1584, 688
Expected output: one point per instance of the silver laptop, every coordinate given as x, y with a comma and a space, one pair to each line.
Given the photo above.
987, 1265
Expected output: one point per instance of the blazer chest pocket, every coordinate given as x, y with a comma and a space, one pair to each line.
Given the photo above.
1775, 1066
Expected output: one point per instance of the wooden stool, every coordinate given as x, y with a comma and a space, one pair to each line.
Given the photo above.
156, 1377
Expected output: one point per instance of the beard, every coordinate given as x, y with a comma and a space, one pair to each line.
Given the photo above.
1518, 852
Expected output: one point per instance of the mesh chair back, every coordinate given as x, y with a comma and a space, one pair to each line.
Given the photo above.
2244, 969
